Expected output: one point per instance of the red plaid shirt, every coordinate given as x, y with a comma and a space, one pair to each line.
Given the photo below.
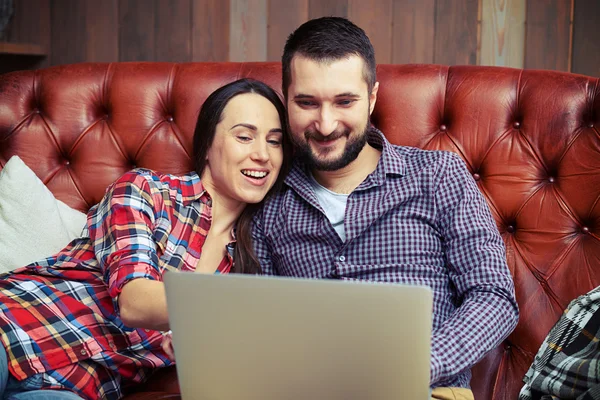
59, 317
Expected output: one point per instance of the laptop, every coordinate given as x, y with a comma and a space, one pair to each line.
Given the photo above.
241, 337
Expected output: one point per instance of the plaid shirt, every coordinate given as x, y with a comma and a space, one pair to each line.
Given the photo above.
59, 317
567, 366
417, 219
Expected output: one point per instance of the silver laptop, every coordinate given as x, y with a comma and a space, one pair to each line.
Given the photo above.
239, 337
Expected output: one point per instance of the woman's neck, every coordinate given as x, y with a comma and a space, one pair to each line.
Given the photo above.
225, 211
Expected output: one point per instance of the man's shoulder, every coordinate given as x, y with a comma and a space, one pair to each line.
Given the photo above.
416, 159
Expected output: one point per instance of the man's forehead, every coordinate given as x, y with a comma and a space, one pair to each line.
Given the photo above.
346, 72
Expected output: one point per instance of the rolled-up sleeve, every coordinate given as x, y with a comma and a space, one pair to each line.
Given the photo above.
121, 230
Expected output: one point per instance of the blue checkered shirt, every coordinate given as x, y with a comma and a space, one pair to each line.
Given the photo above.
417, 219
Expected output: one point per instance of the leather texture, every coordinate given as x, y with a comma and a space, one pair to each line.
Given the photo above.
530, 138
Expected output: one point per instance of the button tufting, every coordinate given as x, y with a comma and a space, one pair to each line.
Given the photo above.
67, 162
591, 125
585, 229
443, 128
507, 347
476, 177
516, 125
37, 111
510, 229
170, 118
551, 179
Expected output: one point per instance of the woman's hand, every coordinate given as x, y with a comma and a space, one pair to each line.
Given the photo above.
167, 345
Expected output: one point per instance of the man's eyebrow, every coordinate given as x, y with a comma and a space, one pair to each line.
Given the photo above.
308, 96
347, 94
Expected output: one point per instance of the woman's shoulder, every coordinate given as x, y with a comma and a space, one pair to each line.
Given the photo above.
151, 180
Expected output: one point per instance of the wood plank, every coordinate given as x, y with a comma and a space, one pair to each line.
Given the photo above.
327, 8
413, 31
68, 39
31, 24
210, 30
102, 31
375, 18
547, 34
137, 22
503, 33
455, 40
173, 30
27, 49
248, 30
586, 31
283, 18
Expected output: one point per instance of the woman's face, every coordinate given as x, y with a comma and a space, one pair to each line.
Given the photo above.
246, 154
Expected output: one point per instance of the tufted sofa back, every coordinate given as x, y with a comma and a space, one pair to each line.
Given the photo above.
530, 138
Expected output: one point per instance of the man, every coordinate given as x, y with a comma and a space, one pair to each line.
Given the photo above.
357, 207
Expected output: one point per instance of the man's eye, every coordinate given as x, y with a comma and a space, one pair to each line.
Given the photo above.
305, 103
346, 102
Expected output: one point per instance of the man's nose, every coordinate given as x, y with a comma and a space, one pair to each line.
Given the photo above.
327, 121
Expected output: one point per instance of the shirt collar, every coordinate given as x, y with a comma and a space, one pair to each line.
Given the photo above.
197, 192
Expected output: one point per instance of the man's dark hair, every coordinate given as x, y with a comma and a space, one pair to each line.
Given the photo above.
328, 39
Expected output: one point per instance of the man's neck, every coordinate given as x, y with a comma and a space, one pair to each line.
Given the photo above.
346, 179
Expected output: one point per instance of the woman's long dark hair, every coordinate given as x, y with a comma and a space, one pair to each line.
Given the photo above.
211, 113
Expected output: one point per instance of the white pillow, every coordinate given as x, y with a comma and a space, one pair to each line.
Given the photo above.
33, 223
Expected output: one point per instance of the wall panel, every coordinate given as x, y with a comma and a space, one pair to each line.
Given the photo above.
210, 30
456, 32
248, 30
413, 31
173, 31
283, 18
586, 34
547, 36
327, 8
137, 30
503, 33
375, 17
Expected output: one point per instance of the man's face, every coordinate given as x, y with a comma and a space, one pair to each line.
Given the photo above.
329, 106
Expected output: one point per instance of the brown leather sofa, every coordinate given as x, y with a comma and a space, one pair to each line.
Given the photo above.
530, 138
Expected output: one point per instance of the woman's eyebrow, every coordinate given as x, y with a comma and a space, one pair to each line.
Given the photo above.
249, 126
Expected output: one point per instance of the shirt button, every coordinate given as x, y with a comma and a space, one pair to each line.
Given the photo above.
342, 258
83, 352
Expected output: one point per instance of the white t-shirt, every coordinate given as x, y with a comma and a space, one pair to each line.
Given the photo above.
334, 205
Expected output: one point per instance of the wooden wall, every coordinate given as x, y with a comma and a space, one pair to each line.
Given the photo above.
544, 34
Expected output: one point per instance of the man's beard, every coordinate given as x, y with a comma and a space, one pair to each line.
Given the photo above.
351, 151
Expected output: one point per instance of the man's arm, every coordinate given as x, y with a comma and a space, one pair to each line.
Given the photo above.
477, 266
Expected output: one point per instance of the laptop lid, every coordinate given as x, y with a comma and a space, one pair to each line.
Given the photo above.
270, 338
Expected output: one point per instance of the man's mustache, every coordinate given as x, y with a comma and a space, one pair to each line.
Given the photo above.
315, 135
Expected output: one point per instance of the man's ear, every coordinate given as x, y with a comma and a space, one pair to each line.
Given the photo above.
373, 97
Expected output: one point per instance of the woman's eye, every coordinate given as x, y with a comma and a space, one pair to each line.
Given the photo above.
244, 138
274, 142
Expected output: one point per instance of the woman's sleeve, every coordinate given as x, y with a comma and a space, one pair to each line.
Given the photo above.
122, 234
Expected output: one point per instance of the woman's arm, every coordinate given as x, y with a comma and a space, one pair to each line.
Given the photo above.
143, 304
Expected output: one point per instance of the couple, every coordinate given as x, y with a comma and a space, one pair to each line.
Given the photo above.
87, 322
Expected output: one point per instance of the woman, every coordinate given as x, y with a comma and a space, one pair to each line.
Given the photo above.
87, 322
